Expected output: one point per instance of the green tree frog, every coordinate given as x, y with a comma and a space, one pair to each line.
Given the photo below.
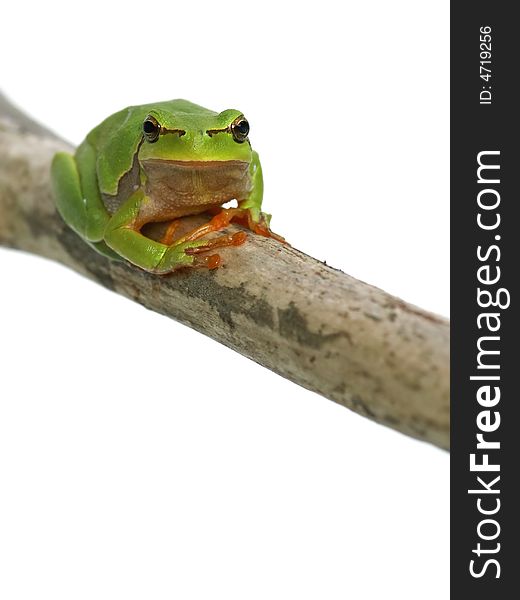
161, 162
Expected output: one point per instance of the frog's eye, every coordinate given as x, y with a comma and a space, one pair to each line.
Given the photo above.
151, 129
240, 129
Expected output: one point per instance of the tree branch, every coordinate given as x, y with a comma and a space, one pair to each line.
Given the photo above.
320, 328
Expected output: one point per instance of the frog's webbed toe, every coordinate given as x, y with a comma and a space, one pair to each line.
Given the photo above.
242, 216
261, 227
194, 253
213, 261
233, 239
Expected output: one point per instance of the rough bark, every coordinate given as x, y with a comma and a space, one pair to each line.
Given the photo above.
322, 329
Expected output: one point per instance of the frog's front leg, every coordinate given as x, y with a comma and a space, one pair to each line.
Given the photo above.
123, 236
253, 203
249, 211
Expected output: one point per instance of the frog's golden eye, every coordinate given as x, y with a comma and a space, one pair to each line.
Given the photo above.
151, 129
240, 129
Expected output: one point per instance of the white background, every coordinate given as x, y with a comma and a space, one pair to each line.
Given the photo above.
224, 480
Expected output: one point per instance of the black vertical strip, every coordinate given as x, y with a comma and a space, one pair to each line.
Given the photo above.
490, 540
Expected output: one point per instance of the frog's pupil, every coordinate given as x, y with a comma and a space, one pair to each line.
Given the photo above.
149, 127
243, 127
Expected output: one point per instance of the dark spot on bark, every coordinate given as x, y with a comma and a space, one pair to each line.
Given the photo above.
340, 389
371, 316
425, 422
39, 225
364, 373
358, 404
415, 386
227, 301
418, 431
420, 313
391, 420
293, 325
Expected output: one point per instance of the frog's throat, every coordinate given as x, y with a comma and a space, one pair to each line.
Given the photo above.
196, 183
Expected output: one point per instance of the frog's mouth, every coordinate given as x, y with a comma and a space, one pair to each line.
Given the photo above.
197, 183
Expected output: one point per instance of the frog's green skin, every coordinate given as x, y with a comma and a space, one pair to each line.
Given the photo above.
118, 180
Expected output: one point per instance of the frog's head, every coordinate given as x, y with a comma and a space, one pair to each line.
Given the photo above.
202, 155
187, 132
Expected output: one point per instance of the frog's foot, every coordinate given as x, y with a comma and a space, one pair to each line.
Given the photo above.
235, 239
242, 216
193, 253
213, 261
210, 262
261, 227
217, 223
256, 221
185, 255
